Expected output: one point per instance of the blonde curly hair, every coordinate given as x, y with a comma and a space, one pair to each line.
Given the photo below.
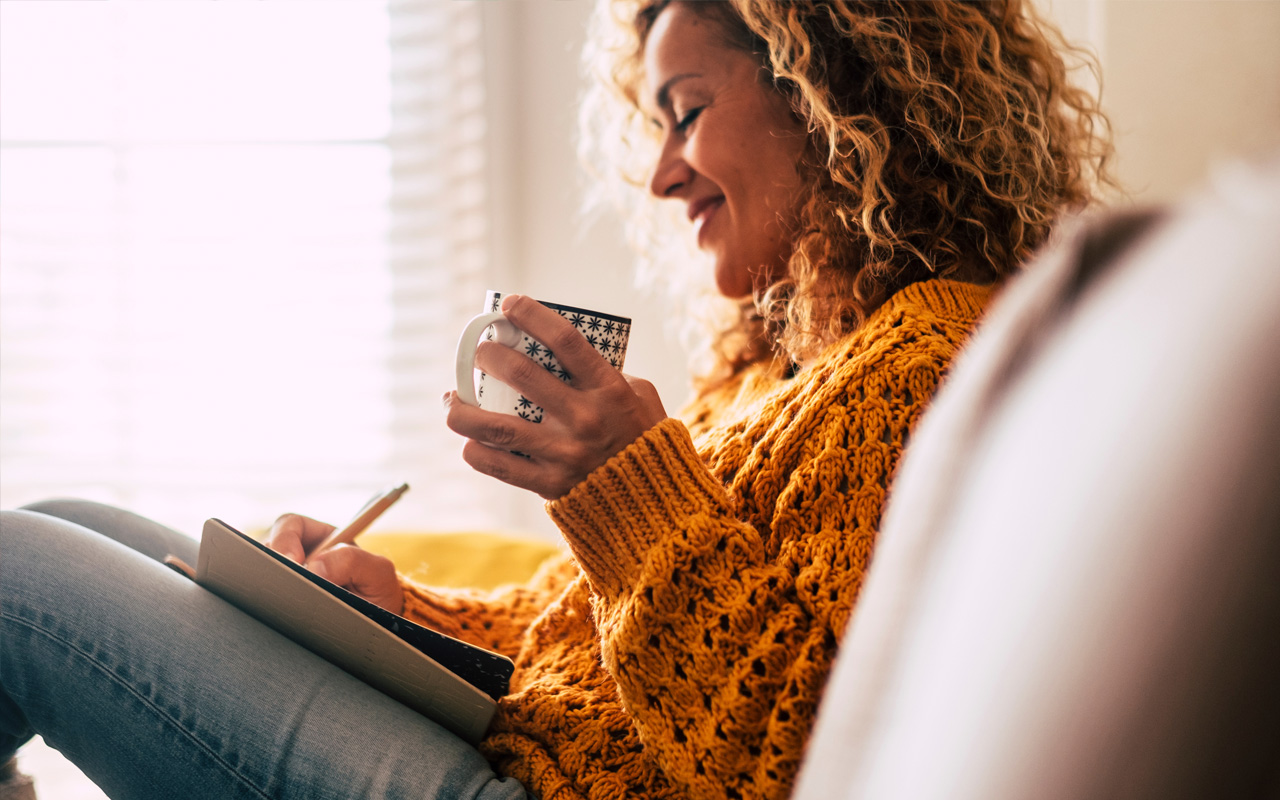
945, 140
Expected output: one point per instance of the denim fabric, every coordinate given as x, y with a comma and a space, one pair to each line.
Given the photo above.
156, 688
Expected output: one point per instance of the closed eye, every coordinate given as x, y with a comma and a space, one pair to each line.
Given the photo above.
684, 122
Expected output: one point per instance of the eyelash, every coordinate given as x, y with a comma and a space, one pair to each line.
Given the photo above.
683, 124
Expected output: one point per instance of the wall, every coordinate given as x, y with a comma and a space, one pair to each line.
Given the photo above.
542, 243
1190, 83
1186, 82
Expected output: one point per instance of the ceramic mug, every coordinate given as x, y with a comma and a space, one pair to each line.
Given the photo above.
607, 333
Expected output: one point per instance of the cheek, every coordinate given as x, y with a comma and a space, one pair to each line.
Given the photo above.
788, 186
773, 190
723, 159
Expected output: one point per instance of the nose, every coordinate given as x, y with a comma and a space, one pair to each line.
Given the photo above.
672, 173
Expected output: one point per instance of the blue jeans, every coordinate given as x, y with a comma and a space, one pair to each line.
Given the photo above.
156, 688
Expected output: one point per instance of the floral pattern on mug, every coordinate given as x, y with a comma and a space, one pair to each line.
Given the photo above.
608, 334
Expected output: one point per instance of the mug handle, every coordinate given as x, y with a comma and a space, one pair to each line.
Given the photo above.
504, 333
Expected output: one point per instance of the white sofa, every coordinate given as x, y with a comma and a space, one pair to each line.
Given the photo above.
1076, 593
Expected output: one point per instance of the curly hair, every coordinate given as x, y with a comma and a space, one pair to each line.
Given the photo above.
945, 140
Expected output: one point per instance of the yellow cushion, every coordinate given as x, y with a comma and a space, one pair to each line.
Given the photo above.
478, 560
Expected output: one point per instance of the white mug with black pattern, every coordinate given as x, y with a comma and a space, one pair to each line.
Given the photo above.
607, 333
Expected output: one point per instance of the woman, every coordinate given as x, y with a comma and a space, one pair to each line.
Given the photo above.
861, 176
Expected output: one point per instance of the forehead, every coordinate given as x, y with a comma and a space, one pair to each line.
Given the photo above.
681, 42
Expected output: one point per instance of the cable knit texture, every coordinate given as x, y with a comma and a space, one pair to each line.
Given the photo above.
681, 651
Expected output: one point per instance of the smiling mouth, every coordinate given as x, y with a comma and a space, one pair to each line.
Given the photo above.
701, 212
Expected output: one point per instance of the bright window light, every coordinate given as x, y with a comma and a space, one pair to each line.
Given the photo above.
201, 313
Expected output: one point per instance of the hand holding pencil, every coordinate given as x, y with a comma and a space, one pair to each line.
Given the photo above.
318, 546
362, 520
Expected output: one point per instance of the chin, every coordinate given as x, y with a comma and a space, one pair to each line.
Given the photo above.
733, 292
731, 284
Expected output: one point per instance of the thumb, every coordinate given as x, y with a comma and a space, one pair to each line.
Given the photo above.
649, 399
320, 568
371, 576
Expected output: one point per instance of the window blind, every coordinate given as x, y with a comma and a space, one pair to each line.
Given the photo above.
237, 241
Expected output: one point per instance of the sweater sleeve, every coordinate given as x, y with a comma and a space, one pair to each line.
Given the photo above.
720, 595
496, 620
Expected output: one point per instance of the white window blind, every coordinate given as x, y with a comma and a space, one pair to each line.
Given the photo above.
237, 241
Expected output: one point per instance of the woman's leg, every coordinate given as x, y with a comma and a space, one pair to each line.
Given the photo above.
158, 689
148, 537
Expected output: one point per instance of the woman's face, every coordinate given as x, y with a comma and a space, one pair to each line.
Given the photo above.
730, 148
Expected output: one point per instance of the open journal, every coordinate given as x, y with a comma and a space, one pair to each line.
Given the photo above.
452, 682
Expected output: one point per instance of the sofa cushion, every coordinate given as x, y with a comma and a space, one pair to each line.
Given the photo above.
462, 559
1076, 591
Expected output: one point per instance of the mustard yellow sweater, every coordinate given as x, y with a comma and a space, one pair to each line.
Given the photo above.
682, 648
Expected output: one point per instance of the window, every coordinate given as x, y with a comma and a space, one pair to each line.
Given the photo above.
237, 241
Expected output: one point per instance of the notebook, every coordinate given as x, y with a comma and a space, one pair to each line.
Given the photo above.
452, 682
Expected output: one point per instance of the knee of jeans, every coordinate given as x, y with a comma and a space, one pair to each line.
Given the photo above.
63, 507
95, 516
12, 525
15, 528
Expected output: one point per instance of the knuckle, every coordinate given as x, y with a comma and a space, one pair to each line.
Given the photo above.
590, 423
560, 450
499, 432
642, 387
571, 452
482, 459
383, 565
567, 339
333, 558
285, 523
364, 562
498, 470
524, 370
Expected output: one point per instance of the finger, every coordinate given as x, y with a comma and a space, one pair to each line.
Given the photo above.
571, 348
293, 536
491, 438
537, 383
369, 575
540, 478
648, 394
504, 431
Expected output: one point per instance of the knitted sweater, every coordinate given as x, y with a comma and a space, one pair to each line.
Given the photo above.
681, 650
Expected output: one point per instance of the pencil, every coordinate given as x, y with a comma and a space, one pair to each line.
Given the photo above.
363, 519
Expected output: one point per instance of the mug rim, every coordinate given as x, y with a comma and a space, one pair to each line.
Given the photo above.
576, 309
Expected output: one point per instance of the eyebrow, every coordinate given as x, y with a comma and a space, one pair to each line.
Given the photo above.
663, 96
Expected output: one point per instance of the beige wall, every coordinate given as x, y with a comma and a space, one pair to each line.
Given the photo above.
1189, 83
1185, 82
542, 245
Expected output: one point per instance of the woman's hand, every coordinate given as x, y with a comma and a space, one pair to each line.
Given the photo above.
583, 425
371, 576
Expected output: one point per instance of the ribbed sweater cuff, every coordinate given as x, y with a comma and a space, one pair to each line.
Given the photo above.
632, 502
949, 299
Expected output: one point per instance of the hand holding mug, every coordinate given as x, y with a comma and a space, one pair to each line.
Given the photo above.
567, 408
